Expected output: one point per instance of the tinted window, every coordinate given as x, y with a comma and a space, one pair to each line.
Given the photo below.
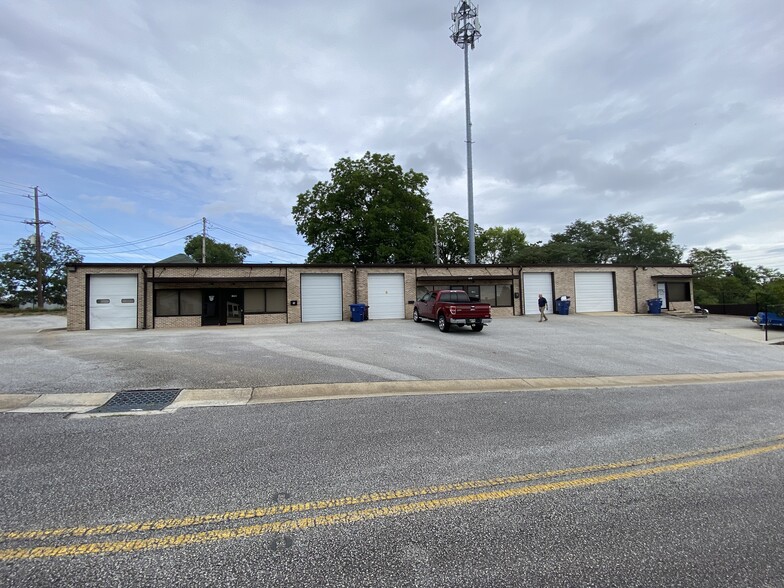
503, 295
460, 297
276, 300
167, 302
190, 302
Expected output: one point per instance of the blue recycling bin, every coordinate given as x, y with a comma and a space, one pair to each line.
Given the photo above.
654, 306
562, 306
357, 312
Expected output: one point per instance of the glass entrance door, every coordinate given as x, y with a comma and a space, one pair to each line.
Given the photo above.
233, 307
222, 307
209, 308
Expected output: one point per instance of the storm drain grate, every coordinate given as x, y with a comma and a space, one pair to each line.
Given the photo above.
130, 400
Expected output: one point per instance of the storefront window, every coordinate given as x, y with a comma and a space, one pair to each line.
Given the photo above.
190, 302
503, 294
167, 303
265, 300
276, 300
255, 300
487, 295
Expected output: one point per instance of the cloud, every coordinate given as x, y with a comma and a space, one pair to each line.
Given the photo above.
579, 110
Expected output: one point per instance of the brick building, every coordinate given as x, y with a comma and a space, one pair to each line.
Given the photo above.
163, 295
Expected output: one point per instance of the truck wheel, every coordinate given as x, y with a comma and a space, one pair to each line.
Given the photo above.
416, 316
443, 325
477, 328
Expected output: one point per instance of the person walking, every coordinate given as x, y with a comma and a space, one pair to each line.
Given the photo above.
542, 307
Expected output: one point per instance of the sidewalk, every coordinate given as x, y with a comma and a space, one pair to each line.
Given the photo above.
82, 404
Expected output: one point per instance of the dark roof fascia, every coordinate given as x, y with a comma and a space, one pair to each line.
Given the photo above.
210, 280
371, 265
632, 265
672, 277
470, 278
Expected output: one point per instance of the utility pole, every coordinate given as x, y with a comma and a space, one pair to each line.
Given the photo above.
465, 32
204, 239
438, 247
38, 255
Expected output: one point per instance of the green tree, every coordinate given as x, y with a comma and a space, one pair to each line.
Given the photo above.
19, 270
579, 243
500, 245
370, 211
710, 268
709, 263
772, 293
453, 238
720, 280
622, 238
215, 252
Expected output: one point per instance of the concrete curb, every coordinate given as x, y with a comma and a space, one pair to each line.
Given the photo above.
194, 398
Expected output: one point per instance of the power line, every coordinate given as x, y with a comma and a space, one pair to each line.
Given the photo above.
144, 240
264, 245
132, 250
14, 204
84, 217
16, 185
255, 236
19, 218
123, 243
258, 240
267, 254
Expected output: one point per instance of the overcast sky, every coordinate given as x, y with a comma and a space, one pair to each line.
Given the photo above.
140, 117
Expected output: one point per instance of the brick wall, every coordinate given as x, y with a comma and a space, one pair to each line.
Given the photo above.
409, 285
629, 284
625, 278
293, 285
177, 322
77, 306
504, 273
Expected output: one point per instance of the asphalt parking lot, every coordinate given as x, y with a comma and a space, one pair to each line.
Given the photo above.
38, 356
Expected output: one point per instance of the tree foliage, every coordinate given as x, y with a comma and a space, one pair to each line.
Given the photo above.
499, 245
493, 245
19, 270
215, 252
709, 263
370, 211
622, 238
720, 280
453, 238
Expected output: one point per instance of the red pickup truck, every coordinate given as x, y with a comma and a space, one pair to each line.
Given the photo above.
451, 307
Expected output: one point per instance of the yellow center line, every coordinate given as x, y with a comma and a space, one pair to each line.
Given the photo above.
363, 515
172, 523
261, 512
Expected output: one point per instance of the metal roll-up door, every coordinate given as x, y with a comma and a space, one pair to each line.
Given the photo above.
594, 292
535, 283
113, 302
322, 297
386, 296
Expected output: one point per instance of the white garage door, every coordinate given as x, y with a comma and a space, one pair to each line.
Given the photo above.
386, 296
322, 297
593, 292
535, 283
113, 303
